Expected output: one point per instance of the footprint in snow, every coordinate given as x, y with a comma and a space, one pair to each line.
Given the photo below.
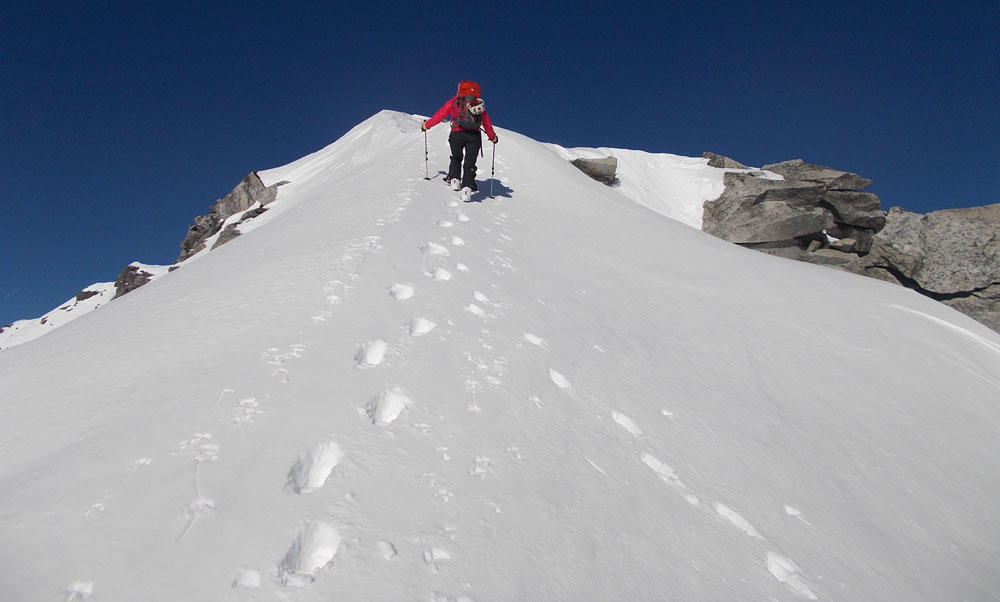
441, 274
371, 354
535, 340
440, 493
247, 410
401, 292
627, 423
669, 476
480, 297
311, 551
787, 572
737, 520
435, 557
247, 579
94, 509
387, 406
481, 467
456, 241
78, 590
421, 326
386, 549
793, 512
194, 510
312, 470
445, 223
561, 381
474, 309
433, 248
135, 466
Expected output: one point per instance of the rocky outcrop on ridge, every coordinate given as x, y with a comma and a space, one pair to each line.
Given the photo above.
721, 161
131, 278
247, 193
602, 170
952, 255
810, 207
820, 215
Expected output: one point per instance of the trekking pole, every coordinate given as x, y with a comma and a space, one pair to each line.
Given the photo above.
493, 169
426, 174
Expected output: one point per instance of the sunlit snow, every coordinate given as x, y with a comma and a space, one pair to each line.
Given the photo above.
601, 403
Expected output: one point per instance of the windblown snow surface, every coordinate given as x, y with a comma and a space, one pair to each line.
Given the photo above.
86, 301
380, 393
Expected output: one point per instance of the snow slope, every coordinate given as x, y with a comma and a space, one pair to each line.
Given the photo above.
378, 393
672, 185
90, 298
86, 301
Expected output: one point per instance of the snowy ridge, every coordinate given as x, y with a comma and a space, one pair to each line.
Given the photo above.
23, 331
86, 301
381, 393
671, 185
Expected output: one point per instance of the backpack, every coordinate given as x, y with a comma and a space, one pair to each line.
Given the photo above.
470, 106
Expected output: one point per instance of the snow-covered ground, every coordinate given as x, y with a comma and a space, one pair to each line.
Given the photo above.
86, 301
672, 185
379, 393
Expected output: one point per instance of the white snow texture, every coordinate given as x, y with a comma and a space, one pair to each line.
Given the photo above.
560, 393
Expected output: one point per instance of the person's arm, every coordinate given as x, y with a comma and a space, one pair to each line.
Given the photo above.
488, 126
443, 112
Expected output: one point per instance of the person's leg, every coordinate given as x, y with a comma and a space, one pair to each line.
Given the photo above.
456, 142
472, 146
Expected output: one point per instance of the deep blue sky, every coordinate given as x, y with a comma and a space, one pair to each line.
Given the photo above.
122, 121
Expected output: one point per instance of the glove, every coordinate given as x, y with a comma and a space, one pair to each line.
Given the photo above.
423, 127
495, 139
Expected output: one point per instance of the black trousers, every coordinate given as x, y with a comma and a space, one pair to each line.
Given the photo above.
467, 142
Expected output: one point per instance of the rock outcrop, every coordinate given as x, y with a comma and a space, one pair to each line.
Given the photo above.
602, 170
820, 215
131, 278
952, 255
812, 208
722, 162
249, 192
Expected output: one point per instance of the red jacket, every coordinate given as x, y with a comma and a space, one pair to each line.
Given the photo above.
451, 108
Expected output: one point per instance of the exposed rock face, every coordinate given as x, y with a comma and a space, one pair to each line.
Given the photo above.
799, 170
722, 162
814, 208
819, 215
131, 278
951, 255
247, 193
602, 170
84, 295
755, 210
